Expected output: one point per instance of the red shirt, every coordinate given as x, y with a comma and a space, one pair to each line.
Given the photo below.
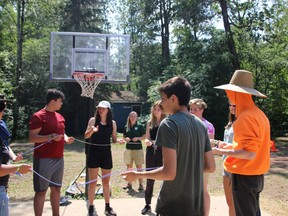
49, 122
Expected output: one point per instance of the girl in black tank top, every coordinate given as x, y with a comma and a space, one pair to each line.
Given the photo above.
153, 152
100, 129
103, 137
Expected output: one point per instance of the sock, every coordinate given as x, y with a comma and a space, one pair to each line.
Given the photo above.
91, 208
107, 205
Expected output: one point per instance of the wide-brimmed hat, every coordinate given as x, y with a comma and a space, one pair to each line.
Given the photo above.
104, 104
242, 81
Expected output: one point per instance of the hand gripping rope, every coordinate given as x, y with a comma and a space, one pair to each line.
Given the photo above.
91, 181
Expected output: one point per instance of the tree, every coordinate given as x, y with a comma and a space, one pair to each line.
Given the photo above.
229, 34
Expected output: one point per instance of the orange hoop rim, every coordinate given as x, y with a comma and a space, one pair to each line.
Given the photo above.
88, 74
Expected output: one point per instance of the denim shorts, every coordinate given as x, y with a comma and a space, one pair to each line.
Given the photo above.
4, 201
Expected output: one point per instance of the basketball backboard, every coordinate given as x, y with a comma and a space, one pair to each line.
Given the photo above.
89, 52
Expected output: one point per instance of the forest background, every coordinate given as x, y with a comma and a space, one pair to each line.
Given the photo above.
168, 38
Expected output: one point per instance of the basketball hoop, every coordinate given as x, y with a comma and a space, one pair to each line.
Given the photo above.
88, 82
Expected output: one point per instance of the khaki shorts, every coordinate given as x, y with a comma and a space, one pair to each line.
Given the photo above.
134, 155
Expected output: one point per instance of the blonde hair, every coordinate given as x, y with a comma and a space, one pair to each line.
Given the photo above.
153, 119
128, 120
199, 103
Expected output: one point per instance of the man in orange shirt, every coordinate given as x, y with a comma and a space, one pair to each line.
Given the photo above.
249, 155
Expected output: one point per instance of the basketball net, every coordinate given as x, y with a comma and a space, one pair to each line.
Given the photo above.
88, 82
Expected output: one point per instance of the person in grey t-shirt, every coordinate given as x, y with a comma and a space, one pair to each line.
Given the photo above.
186, 153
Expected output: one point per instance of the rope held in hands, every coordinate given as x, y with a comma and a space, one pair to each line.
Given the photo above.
91, 181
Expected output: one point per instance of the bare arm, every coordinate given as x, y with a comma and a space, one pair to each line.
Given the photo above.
148, 142
211, 136
36, 138
90, 128
148, 130
13, 157
6, 169
114, 132
241, 153
68, 140
166, 172
209, 162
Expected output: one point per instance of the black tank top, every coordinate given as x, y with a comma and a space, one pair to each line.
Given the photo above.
153, 132
103, 137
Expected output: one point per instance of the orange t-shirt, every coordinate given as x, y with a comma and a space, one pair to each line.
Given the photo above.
251, 133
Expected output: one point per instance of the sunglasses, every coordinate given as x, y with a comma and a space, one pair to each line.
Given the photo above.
232, 105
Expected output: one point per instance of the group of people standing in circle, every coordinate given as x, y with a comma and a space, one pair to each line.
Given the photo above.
133, 136
184, 140
186, 143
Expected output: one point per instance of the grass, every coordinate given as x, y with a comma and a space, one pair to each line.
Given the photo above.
274, 198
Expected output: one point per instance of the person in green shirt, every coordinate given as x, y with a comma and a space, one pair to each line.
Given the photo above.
133, 134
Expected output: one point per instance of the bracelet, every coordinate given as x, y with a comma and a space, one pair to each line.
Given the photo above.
215, 142
17, 171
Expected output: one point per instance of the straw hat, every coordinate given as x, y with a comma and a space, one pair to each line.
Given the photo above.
242, 81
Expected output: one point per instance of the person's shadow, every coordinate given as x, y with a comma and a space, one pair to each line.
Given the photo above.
134, 193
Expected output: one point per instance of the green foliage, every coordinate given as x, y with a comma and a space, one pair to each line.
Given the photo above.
144, 119
83, 16
199, 52
6, 67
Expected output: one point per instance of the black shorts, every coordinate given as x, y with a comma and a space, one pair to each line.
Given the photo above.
102, 159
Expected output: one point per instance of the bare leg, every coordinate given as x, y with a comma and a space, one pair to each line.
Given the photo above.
129, 166
129, 184
55, 200
228, 194
206, 195
93, 173
139, 169
105, 183
39, 199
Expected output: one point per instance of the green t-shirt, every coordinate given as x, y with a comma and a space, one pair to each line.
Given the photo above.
188, 136
136, 131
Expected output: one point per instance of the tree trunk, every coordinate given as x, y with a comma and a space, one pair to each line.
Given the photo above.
20, 35
229, 34
165, 8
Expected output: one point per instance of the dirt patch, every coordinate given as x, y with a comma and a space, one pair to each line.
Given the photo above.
279, 159
274, 196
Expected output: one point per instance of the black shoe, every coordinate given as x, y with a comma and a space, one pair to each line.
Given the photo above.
109, 211
141, 188
91, 210
146, 209
129, 186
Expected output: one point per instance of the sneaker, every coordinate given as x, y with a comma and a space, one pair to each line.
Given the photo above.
109, 211
129, 186
141, 188
91, 210
146, 209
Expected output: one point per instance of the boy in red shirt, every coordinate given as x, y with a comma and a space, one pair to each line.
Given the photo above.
46, 125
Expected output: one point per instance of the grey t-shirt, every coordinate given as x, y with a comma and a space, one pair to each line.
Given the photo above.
188, 136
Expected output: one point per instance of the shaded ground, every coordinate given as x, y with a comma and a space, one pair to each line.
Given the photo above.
279, 159
274, 198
